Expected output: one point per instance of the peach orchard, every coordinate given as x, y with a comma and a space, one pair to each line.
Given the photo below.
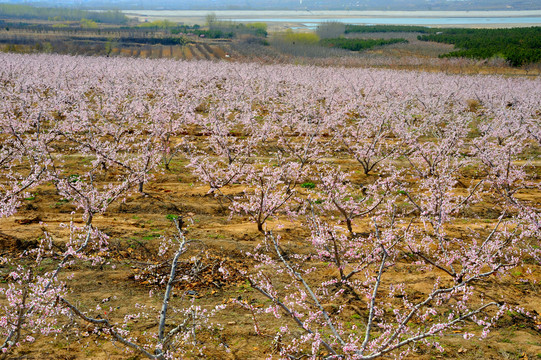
383, 168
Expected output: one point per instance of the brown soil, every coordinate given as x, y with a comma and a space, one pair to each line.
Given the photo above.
135, 227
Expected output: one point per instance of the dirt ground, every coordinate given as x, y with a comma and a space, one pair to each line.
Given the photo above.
135, 227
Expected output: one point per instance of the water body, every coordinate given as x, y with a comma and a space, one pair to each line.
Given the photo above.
404, 21
313, 18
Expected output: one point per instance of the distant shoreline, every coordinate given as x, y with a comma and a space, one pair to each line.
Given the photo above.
334, 13
282, 19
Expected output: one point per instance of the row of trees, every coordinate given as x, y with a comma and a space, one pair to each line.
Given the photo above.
326, 42
519, 46
359, 44
387, 28
381, 167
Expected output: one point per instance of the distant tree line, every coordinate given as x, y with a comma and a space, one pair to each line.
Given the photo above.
153, 40
331, 29
359, 44
519, 46
196, 29
212, 34
258, 29
216, 29
312, 45
387, 28
123, 40
61, 14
